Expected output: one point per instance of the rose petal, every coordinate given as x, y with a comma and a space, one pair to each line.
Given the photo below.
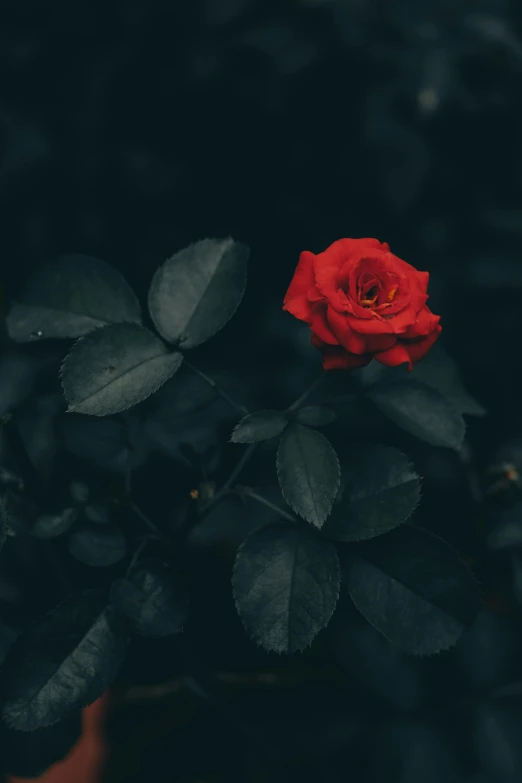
355, 342
344, 361
321, 328
419, 348
425, 323
296, 300
395, 356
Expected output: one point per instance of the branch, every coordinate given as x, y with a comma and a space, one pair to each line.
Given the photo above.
237, 406
260, 499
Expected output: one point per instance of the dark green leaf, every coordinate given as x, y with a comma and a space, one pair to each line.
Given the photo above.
97, 513
195, 293
316, 415
286, 585
53, 525
63, 662
413, 587
70, 298
382, 491
421, 411
115, 367
79, 491
28, 754
260, 425
308, 471
152, 598
439, 371
98, 546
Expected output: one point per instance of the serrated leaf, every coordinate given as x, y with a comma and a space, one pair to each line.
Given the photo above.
152, 598
54, 525
421, 411
258, 426
63, 662
115, 367
286, 585
308, 472
69, 298
382, 491
98, 546
316, 415
196, 292
413, 588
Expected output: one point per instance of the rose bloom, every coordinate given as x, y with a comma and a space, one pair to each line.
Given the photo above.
362, 303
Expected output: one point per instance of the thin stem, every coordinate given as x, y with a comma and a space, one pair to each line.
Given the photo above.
149, 523
139, 549
307, 392
251, 493
232, 478
202, 683
241, 409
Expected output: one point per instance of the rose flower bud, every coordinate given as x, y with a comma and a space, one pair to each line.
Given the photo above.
362, 303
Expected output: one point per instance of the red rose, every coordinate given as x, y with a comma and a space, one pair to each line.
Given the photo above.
363, 303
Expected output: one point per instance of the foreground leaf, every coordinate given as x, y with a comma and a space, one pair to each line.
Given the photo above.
70, 298
54, 525
63, 662
413, 587
308, 472
382, 491
152, 598
421, 411
196, 292
258, 426
114, 368
286, 585
98, 546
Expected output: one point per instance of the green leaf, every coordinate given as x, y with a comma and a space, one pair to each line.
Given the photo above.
63, 662
316, 416
54, 525
260, 425
114, 368
439, 371
421, 411
308, 472
98, 546
286, 585
413, 588
69, 298
196, 292
382, 491
153, 599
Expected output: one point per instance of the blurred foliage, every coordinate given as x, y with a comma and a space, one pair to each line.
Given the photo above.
130, 129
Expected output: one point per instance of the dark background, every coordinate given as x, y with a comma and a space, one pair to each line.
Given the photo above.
128, 130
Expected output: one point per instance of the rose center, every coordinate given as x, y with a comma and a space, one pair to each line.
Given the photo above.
369, 297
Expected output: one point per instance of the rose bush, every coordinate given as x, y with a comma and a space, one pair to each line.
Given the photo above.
362, 302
